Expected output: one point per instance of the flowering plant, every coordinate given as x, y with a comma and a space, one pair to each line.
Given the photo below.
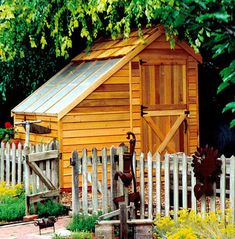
7, 133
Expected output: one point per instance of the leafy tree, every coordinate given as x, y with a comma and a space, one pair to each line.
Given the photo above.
207, 24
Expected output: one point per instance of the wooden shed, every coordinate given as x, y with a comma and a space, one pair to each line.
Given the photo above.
138, 85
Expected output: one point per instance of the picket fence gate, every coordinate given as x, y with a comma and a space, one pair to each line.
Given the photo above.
165, 183
36, 167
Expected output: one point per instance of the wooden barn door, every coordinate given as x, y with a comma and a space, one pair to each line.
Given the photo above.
164, 125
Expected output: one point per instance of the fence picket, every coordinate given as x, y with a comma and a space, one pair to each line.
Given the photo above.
94, 180
142, 186
84, 181
167, 184
104, 181
13, 164
193, 183
19, 164
7, 164
113, 183
158, 183
2, 159
184, 181
176, 185
223, 185
232, 186
150, 186
75, 182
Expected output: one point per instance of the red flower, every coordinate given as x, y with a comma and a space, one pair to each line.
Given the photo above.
8, 125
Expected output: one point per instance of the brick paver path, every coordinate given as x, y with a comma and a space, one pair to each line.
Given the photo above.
30, 231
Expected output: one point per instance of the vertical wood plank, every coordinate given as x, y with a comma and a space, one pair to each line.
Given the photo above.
184, 181
75, 183
104, 181
113, 183
176, 185
94, 180
223, 185
167, 184
150, 186
19, 162
7, 164
84, 181
2, 164
158, 183
13, 163
232, 187
142, 185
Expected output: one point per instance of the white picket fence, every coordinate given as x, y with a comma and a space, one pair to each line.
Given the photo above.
165, 184
11, 164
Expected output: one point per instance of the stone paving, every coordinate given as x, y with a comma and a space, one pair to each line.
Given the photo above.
30, 231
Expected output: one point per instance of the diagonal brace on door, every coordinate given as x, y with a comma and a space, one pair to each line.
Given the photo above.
171, 133
158, 132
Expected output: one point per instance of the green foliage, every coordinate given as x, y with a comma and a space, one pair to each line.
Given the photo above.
75, 235
83, 222
12, 204
51, 208
207, 24
81, 235
192, 225
12, 208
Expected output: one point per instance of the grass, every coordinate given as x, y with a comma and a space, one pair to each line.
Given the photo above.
75, 235
83, 222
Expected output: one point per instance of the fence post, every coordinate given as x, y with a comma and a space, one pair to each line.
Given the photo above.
75, 182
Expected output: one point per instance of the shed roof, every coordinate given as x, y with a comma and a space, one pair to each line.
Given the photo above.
86, 72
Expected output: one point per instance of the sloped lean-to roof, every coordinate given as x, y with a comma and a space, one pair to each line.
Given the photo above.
86, 72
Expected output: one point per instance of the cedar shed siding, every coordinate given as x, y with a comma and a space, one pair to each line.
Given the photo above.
97, 98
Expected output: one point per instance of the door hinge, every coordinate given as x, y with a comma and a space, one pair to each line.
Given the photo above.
142, 108
142, 62
185, 126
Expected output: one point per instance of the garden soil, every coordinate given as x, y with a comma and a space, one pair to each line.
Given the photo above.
30, 231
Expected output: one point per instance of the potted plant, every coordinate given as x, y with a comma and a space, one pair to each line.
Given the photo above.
7, 134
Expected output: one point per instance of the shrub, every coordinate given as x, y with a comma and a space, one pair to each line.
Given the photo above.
191, 225
51, 208
14, 191
83, 222
12, 208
